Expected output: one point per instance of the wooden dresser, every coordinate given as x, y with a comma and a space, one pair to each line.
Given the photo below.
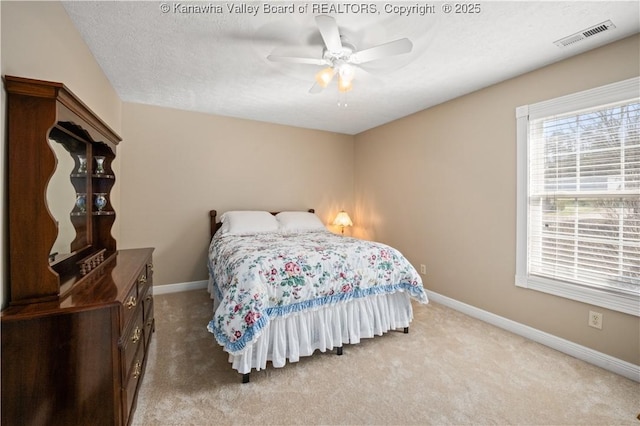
80, 361
78, 315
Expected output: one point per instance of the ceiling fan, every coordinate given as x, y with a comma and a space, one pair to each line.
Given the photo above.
340, 56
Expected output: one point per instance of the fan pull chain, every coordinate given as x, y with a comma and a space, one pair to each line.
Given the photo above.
342, 100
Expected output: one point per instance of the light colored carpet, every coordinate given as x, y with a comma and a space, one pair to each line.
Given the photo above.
450, 369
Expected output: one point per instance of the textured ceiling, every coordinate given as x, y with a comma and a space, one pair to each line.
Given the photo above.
215, 61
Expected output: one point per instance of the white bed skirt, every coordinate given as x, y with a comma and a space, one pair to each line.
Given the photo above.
300, 334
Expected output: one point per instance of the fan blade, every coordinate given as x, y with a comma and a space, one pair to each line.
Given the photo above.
329, 32
392, 48
316, 88
293, 60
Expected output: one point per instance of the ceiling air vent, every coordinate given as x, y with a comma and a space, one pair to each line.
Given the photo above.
584, 34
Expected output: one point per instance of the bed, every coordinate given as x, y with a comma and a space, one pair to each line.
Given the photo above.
284, 286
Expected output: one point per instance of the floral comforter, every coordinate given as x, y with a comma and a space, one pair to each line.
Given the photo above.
263, 276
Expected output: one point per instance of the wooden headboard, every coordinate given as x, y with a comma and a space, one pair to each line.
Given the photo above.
214, 226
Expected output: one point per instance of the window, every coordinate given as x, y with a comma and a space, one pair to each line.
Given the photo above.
578, 217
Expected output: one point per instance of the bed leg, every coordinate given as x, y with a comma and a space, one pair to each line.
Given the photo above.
406, 330
245, 377
339, 350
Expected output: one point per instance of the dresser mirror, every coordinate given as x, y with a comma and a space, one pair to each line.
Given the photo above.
66, 205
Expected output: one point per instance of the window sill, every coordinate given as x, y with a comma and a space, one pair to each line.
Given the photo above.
626, 303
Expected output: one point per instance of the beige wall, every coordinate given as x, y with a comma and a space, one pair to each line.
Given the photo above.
441, 186
178, 165
38, 40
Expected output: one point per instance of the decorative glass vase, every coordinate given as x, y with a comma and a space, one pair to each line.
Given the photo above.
99, 164
100, 201
81, 201
82, 168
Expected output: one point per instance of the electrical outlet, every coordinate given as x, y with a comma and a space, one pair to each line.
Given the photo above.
595, 320
423, 269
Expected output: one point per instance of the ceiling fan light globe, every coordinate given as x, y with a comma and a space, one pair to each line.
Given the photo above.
347, 72
325, 76
344, 85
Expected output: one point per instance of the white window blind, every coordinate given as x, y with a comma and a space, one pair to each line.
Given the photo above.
582, 200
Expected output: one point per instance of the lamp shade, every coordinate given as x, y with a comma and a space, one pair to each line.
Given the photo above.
342, 219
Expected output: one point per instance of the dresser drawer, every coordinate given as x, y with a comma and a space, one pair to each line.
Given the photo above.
147, 295
147, 309
129, 307
131, 342
149, 325
129, 390
135, 295
144, 280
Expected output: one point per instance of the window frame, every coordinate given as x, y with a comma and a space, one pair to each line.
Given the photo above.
607, 298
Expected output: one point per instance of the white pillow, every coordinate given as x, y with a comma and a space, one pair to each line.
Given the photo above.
247, 222
299, 221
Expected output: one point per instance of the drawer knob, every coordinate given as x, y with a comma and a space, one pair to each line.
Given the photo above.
150, 266
136, 335
131, 303
143, 279
137, 369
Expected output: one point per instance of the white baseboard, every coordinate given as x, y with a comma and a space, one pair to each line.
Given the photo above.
176, 288
618, 366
